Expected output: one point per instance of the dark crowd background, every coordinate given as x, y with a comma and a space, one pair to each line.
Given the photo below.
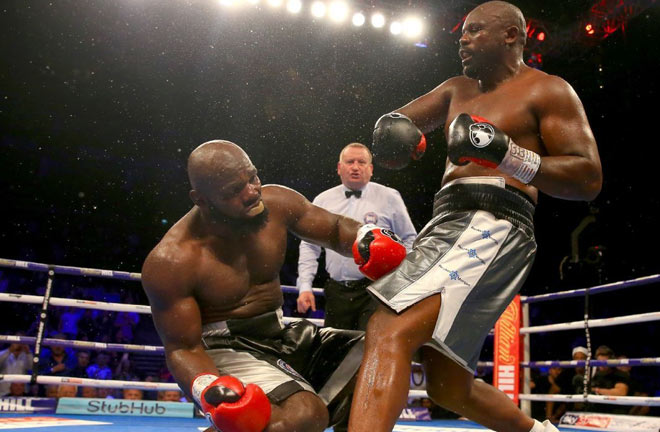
101, 103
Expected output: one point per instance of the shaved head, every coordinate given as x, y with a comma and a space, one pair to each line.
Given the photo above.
226, 187
507, 14
214, 163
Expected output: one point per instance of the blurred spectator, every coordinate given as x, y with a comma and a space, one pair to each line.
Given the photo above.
635, 388
609, 381
16, 390
80, 370
101, 331
51, 390
100, 369
437, 412
125, 322
35, 390
169, 396
133, 394
557, 381
151, 394
124, 370
67, 390
164, 374
17, 359
69, 322
88, 392
579, 353
87, 325
57, 360
106, 393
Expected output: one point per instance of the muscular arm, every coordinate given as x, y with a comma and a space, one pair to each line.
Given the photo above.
316, 225
176, 315
571, 169
429, 111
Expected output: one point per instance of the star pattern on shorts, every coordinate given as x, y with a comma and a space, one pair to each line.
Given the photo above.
472, 253
485, 234
453, 275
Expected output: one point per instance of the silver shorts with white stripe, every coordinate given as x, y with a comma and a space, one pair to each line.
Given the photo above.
476, 253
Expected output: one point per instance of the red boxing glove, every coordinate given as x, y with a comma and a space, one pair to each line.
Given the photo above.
377, 251
230, 406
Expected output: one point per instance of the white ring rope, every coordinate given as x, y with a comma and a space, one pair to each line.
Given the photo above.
645, 361
83, 304
578, 398
89, 382
113, 307
598, 289
602, 322
78, 344
120, 307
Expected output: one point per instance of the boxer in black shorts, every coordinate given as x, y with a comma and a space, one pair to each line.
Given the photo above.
511, 131
213, 285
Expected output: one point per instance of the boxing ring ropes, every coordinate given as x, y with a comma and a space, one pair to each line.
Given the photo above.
526, 330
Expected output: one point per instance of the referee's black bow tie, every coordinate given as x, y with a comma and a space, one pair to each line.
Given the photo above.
357, 193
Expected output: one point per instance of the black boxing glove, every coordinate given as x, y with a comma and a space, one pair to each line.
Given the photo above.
396, 140
475, 139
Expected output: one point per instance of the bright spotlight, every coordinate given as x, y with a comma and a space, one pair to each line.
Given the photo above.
294, 6
396, 28
318, 9
254, 2
412, 27
338, 11
358, 19
377, 20
275, 3
227, 2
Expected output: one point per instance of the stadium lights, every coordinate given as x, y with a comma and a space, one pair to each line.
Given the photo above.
318, 9
358, 19
412, 27
377, 20
294, 6
395, 28
338, 11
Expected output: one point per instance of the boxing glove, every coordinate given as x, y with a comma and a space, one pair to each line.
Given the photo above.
377, 251
396, 140
230, 406
475, 139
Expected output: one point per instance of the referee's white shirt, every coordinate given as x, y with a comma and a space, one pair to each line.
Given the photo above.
379, 205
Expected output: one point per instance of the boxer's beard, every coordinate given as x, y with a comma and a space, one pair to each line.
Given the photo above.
240, 225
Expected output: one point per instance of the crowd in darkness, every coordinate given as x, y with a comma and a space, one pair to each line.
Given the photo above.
71, 323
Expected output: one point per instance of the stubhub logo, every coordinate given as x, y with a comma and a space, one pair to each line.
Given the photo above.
124, 407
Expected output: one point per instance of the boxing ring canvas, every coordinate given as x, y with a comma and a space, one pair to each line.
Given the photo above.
73, 423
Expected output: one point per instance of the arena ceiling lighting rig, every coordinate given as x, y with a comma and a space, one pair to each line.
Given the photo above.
339, 12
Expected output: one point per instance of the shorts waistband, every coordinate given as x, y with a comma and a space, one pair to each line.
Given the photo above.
264, 325
506, 203
350, 284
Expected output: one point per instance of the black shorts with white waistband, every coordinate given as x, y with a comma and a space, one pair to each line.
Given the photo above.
284, 359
